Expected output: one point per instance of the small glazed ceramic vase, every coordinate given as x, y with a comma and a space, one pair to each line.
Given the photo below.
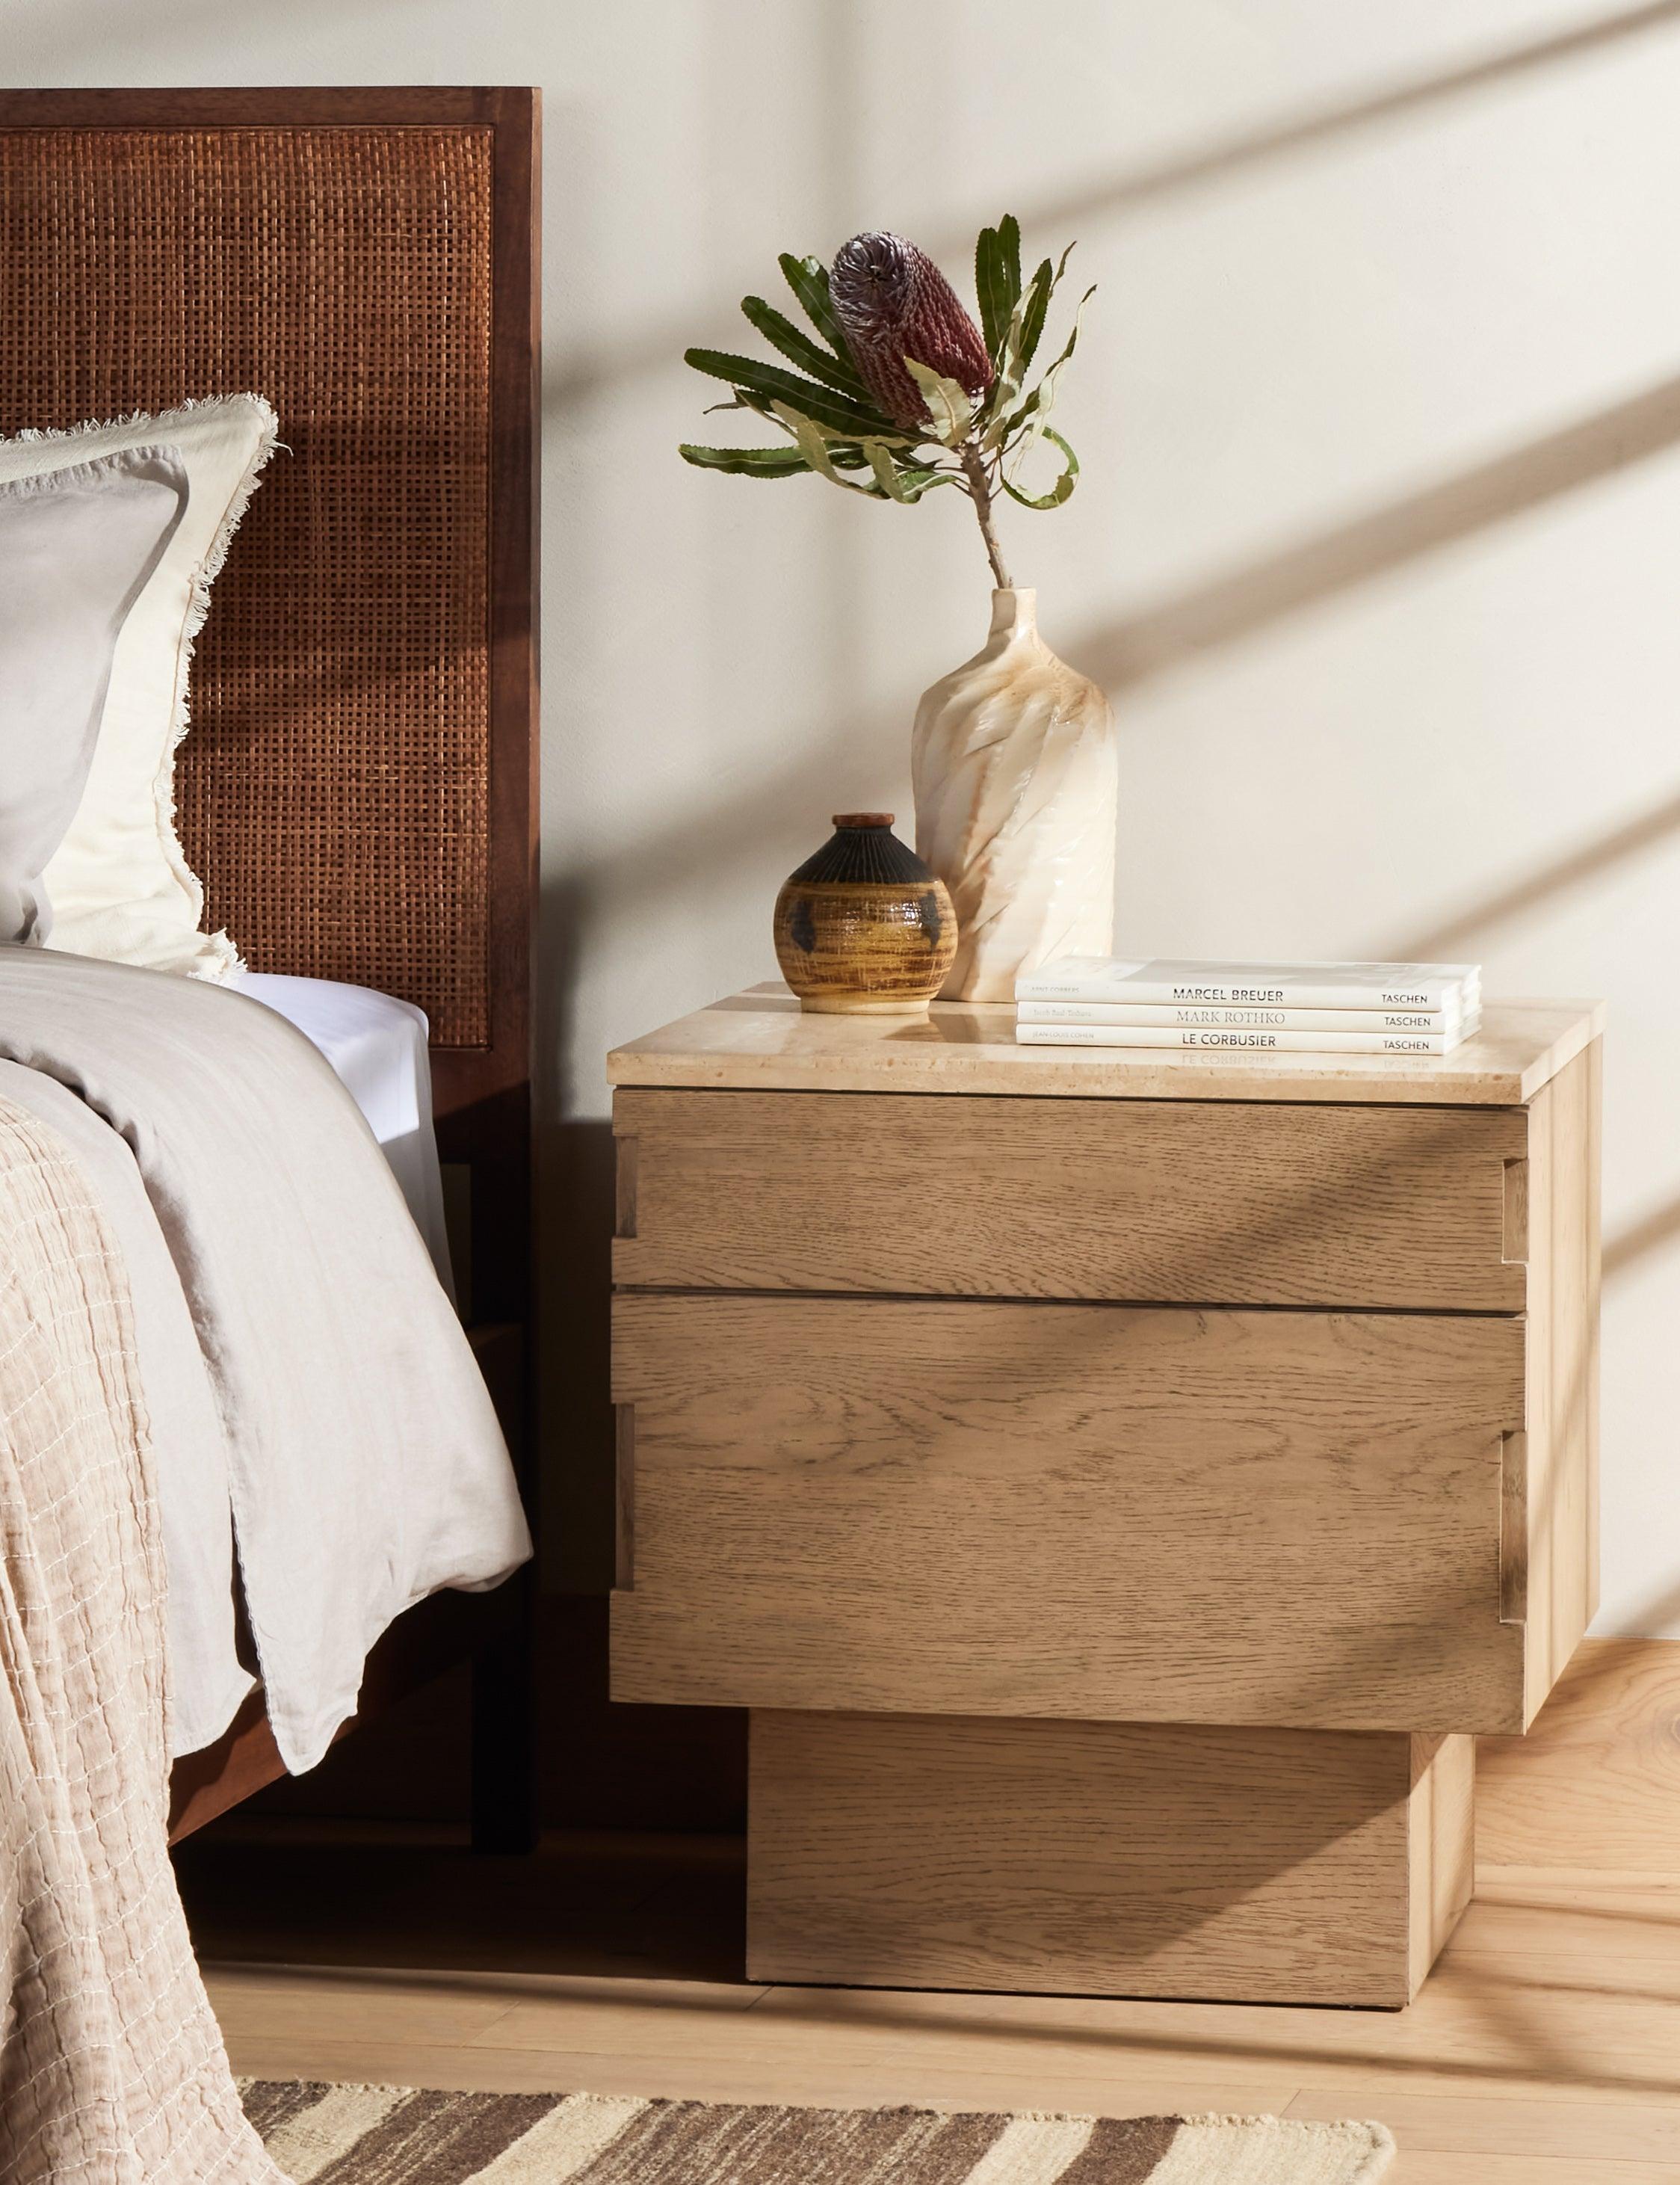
1017, 776
864, 929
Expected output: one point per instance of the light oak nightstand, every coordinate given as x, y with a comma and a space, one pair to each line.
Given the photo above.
1119, 1482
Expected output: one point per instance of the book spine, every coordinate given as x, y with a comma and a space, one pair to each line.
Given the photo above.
1433, 994
1234, 1019
1251, 1043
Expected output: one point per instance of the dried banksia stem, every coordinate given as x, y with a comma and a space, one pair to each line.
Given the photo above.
894, 302
893, 392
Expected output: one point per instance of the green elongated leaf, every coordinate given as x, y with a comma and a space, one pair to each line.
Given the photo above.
1058, 492
921, 482
799, 349
1034, 307
845, 452
808, 278
746, 463
1003, 428
748, 376
1037, 306
847, 455
809, 439
813, 446
1020, 339
892, 436
1012, 361
948, 404
1009, 235
902, 481
1044, 394
997, 421
886, 471
997, 281
790, 421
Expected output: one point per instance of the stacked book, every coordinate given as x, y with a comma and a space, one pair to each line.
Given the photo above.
1303, 1009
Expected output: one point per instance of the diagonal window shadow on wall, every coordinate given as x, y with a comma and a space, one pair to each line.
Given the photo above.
1241, 600
1629, 1246
1306, 131
1507, 905
1222, 611
584, 374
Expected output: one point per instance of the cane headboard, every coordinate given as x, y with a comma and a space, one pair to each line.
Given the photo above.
356, 790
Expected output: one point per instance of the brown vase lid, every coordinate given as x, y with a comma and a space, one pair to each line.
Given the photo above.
862, 819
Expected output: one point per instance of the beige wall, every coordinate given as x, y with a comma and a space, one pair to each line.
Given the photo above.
1378, 542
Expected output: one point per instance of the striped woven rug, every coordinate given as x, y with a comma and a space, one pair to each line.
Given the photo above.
323, 2135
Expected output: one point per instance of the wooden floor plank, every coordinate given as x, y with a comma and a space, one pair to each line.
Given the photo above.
1557, 2131
1597, 1781
1525, 1911
1545, 2050
730, 2077
1658, 1888
1527, 2169
1551, 2033
1466, 2034
282, 2008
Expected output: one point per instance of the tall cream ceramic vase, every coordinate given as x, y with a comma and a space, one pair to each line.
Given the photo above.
1017, 778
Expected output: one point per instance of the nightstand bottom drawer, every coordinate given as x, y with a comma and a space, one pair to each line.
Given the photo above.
1138, 1514
1105, 1858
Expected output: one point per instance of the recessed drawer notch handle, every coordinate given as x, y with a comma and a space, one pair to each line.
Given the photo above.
1515, 1249
624, 1559
1514, 1527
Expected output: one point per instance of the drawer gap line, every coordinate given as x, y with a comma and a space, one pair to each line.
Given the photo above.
1117, 1304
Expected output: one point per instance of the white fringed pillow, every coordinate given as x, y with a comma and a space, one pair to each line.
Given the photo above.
77, 548
119, 883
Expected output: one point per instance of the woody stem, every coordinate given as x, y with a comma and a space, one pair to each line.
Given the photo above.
980, 492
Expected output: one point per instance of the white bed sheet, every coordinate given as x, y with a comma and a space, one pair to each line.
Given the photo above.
379, 1047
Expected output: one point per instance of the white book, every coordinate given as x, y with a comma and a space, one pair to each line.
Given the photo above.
1173, 980
1253, 1042
1186, 1017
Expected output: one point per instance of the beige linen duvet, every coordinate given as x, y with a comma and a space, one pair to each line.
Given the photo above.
339, 1413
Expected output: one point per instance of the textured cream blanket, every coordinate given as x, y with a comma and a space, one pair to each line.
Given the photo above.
112, 2071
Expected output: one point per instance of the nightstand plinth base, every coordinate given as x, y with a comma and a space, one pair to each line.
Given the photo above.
1105, 1858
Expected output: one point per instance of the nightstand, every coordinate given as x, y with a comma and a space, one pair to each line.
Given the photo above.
1119, 1482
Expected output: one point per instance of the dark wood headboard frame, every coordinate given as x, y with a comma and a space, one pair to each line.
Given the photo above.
67, 279
482, 1089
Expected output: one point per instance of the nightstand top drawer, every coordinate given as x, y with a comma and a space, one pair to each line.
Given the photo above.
1186, 1202
763, 1041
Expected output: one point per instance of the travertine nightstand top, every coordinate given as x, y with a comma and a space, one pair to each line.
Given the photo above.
763, 1041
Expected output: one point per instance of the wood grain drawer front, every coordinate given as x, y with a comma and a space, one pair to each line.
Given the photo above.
1115, 1513
1193, 1201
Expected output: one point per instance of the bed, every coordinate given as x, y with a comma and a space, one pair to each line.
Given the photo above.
357, 792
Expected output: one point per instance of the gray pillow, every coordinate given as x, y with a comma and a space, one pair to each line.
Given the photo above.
76, 546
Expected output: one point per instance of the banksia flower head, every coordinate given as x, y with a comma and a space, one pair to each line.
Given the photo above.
896, 392
893, 302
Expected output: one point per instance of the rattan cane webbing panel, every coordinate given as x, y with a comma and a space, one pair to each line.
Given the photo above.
333, 792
